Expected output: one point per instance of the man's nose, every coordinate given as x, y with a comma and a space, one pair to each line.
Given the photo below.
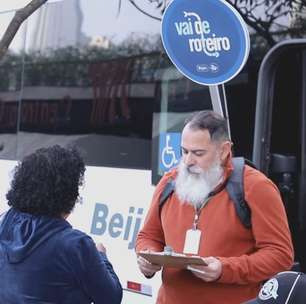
189, 159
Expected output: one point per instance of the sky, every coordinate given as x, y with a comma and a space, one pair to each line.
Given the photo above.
97, 22
12, 4
6, 5
94, 9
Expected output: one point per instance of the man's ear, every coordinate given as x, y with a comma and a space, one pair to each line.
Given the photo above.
226, 148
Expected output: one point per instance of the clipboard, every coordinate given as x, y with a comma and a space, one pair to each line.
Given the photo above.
172, 260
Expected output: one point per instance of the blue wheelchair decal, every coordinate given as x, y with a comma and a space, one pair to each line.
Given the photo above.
169, 150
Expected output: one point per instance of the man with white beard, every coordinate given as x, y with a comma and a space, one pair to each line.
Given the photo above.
194, 183
200, 218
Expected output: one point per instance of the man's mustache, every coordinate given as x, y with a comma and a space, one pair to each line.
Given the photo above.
194, 169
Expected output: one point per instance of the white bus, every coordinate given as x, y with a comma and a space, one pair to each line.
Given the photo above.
80, 73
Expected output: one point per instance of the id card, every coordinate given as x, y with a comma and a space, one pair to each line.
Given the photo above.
192, 241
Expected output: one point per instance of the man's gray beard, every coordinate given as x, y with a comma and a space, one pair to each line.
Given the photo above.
193, 184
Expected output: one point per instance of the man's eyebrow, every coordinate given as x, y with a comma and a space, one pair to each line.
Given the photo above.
194, 151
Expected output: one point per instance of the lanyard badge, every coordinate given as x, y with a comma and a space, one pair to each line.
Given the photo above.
192, 241
193, 237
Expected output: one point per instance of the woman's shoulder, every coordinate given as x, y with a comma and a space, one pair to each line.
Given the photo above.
75, 239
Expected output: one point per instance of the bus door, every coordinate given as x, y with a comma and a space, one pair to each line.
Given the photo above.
279, 142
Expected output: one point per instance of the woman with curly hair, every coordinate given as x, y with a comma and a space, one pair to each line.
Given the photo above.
42, 258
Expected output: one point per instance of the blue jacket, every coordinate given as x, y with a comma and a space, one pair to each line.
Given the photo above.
44, 260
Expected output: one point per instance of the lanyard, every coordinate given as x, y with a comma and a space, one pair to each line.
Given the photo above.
198, 212
199, 209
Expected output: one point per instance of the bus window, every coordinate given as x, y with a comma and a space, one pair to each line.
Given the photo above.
179, 98
89, 85
10, 90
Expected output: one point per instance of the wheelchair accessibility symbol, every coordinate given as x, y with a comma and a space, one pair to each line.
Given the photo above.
169, 150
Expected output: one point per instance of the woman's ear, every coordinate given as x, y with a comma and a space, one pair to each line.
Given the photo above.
65, 215
226, 149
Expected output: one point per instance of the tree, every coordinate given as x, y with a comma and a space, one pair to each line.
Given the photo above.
20, 16
265, 17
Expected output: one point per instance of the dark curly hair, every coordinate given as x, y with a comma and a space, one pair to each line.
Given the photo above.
47, 182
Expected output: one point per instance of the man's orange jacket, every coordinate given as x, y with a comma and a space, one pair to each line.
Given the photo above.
248, 256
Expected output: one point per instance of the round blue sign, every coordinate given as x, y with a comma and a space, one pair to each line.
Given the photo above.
207, 41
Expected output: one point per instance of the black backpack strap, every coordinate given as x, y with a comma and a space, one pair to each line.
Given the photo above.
249, 163
166, 193
235, 189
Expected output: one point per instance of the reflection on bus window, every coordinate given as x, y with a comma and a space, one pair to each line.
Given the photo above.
10, 90
89, 85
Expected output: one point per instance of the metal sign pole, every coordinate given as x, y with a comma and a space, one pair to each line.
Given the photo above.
216, 99
219, 103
